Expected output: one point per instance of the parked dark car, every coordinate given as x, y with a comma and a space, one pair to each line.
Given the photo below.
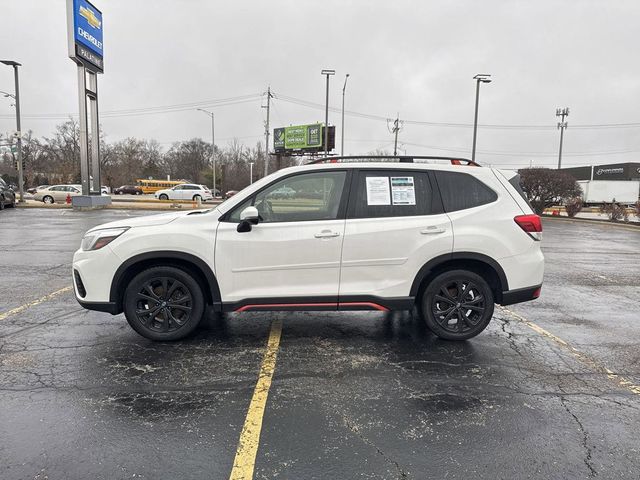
230, 194
7, 196
128, 189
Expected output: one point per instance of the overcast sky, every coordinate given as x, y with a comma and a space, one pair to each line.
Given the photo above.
415, 58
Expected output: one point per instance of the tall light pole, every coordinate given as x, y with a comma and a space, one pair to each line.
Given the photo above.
479, 78
344, 87
213, 149
327, 73
15, 66
250, 173
561, 112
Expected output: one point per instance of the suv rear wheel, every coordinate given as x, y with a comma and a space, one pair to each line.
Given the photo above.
163, 303
457, 305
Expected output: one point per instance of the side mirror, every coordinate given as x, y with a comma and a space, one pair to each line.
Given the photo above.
250, 214
248, 217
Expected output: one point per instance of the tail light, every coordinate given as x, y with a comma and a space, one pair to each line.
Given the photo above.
530, 224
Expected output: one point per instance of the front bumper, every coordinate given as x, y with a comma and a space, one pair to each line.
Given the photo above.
107, 307
93, 272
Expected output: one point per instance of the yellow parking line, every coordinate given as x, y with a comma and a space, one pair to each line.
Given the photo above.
585, 359
245, 459
19, 309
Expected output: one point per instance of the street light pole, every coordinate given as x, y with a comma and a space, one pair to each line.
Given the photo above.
250, 173
327, 73
479, 78
213, 150
344, 87
15, 66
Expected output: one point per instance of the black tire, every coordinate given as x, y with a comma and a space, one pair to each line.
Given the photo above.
163, 197
1, 203
196, 197
156, 317
48, 200
138, 192
457, 305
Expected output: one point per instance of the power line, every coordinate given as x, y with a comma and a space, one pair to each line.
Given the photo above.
309, 104
180, 107
162, 109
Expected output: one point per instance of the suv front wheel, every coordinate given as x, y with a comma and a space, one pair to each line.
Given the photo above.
163, 303
457, 305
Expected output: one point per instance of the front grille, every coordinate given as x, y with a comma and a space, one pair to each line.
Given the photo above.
79, 285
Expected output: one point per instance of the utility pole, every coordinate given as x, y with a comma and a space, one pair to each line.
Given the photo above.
344, 87
266, 133
561, 112
213, 149
397, 126
15, 66
250, 173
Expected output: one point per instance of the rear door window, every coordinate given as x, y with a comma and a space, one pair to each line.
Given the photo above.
460, 191
391, 193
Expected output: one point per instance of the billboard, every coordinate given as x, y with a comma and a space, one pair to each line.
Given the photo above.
84, 25
301, 139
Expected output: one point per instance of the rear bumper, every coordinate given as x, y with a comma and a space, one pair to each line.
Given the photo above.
520, 295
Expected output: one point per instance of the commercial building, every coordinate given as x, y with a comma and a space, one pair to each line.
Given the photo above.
611, 171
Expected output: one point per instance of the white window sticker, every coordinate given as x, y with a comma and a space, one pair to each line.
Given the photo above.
378, 191
403, 191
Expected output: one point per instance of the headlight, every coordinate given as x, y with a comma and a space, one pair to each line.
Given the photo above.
99, 238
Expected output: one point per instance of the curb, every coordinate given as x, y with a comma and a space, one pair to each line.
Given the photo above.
627, 226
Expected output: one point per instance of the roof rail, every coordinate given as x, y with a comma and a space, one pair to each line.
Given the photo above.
393, 158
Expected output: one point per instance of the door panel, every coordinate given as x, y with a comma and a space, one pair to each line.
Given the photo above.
381, 256
395, 225
276, 260
294, 250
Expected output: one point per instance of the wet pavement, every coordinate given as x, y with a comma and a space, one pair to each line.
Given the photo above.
354, 395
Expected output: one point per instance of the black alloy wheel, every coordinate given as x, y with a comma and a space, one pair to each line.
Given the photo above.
163, 303
457, 305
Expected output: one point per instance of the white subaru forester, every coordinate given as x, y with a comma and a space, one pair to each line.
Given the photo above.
353, 233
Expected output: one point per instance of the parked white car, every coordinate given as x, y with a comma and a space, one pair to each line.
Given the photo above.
452, 240
185, 191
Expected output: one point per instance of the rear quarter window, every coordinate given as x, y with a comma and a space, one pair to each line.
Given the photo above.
460, 191
515, 183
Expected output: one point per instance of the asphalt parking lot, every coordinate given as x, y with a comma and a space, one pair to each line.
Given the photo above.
550, 390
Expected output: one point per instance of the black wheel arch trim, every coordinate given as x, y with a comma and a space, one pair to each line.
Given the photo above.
520, 295
435, 262
212, 289
107, 307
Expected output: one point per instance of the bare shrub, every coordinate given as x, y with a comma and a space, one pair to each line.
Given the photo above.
573, 206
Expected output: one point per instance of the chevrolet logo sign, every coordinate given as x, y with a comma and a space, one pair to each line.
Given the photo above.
91, 17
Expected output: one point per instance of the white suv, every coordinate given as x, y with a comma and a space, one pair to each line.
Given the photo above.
451, 240
185, 191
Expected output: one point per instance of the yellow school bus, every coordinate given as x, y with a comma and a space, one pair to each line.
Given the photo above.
153, 185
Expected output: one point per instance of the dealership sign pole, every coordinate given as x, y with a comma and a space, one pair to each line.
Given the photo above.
85, 40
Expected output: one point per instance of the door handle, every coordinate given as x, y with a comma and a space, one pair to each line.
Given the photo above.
326, 234
432, 230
